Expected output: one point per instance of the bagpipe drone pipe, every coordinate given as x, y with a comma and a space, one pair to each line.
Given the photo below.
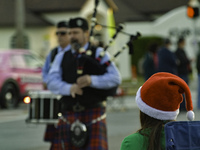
89, 64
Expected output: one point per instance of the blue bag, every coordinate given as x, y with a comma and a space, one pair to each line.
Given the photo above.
182, 135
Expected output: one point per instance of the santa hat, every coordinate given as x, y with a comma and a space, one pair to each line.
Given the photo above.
161, 95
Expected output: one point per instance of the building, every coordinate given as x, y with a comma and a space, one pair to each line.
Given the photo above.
41, 16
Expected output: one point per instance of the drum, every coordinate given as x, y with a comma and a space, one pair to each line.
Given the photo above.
44, 107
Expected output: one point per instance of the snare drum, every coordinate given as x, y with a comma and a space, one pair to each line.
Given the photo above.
44, 107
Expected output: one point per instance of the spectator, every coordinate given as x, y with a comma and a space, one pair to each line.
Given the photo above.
150, 65
63, 45
183, 64
198, 71
167, 59
158, 100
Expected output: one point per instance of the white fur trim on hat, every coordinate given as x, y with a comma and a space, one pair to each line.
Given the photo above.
155, 113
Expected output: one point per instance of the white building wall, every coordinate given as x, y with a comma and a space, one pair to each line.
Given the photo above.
41, 39
5, 36
56, 17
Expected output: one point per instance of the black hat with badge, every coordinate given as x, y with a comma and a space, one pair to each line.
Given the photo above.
62, 24
78, 23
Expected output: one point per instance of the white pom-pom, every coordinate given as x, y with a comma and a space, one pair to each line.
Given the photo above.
190, 115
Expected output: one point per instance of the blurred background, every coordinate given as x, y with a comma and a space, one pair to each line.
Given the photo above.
30, 25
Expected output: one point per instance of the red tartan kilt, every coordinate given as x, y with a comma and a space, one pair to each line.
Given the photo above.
50, 133
97, 132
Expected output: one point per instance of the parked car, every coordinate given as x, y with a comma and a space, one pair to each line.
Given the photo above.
20, 72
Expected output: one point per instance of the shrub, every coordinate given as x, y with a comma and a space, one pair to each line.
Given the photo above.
140, 47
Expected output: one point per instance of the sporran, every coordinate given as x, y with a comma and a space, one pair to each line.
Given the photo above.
78, 134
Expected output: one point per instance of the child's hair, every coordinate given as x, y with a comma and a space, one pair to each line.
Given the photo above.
155, 126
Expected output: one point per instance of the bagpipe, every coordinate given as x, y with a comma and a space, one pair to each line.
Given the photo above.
89, 64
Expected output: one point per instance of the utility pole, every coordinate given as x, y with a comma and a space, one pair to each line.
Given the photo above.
19, 38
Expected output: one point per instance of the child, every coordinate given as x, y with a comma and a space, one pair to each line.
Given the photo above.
158, 100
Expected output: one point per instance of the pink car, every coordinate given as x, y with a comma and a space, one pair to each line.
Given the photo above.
20, 72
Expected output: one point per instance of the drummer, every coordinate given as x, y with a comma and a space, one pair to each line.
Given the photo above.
63, 45
63, 41
83, 113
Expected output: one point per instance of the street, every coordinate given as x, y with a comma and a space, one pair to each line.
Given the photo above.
122, 120
15, 134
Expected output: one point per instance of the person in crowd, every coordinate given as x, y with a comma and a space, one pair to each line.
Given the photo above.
63, 45
84, 88
150, 65
198, 72
167, 59
183, 64
159, 100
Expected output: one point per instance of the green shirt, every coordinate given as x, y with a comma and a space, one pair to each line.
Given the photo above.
138, 141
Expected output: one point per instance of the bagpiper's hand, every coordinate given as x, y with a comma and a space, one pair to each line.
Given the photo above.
44, 86
75, 89
84, 81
